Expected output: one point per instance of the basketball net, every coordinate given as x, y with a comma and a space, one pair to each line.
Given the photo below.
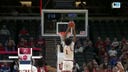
62, 34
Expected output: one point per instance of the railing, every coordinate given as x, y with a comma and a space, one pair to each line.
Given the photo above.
15, 52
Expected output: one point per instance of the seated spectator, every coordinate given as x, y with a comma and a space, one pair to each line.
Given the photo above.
85, 43
115, 69
31, 42
107, 43
99, 43
85, 69
10, 45
113, 60
102, 51
124, 59
78, 47
4, 67
88, 52
115, 43
113, 56
90, 66
105, 63
40, 43
4, 33
24, 33
22, 43
112, 52
41, 65
119, 49
95, 66
123, 41
87, 39
109, 69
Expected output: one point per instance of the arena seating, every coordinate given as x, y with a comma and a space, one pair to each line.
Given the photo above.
111, 28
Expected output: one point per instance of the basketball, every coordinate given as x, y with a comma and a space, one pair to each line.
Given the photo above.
71, 24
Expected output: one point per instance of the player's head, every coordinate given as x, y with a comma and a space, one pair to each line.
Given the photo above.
68, 41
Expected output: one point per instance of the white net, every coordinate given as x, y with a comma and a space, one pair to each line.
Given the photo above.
62, 34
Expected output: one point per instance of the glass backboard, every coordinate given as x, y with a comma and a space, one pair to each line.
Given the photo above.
51, 18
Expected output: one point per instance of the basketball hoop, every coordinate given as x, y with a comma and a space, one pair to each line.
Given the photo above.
62, 34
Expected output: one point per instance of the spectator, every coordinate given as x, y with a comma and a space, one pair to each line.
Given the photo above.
105, 64
85, 68
10, 45
40, 43
24, 33
123, 41
112, 52
89, 52
4, 31
95, 66
31, 42
99, 43
119, 49
41, 65
87, 39
113, 60
4, 34
109, 69
124, 59
115, 69
79, 47
5, 67
102, 51
22, 43
85, 43
115, 43
90, 66
107, 43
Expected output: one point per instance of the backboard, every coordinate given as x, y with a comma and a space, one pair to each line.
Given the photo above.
56, 20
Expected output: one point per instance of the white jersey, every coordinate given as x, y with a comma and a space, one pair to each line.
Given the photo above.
68, 51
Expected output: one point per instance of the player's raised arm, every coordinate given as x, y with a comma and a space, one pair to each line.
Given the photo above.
74, 33
68, 29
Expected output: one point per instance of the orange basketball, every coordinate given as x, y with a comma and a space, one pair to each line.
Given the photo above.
71, 24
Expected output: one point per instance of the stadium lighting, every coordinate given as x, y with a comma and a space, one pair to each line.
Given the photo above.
77, 3
26, 3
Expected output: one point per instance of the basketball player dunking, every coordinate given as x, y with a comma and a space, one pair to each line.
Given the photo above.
68, 47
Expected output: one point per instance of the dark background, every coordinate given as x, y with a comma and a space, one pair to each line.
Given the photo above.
95, 7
